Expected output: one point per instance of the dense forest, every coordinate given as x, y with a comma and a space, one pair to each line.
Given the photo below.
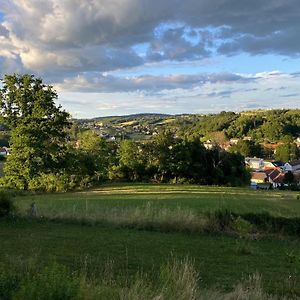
262, 126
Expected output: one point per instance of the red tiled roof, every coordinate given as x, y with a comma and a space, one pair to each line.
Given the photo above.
275, 175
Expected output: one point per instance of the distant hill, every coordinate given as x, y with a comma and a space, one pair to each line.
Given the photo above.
123, 118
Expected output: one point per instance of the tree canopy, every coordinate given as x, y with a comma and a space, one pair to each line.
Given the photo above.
38, 129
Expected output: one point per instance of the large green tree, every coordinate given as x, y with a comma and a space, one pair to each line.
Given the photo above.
38, 129
287, 151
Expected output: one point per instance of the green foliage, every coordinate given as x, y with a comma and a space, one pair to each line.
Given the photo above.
167, 158
50, 183
244, 125
116, 173
247, 148
38, 129
132, 160
262, 126
213, 123
93, 156
287, 151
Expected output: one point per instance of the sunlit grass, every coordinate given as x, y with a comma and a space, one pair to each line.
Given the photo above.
198, 199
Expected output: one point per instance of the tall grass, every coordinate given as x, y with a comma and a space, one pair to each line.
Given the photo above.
177, 279
178, 219
147, 217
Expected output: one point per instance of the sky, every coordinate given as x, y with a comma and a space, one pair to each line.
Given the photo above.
117, 57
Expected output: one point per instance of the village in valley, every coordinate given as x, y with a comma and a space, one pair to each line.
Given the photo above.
267, 171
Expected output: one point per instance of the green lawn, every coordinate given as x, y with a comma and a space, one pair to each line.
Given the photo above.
217, 257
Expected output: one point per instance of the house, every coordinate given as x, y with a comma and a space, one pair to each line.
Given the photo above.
3, 151
271, 165
292, 166
259, 180
275, 177
259, 177
234, 141
208, 144
254, 163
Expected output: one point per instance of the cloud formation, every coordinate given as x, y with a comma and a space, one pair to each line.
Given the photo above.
146, 83
90, 46
88, 35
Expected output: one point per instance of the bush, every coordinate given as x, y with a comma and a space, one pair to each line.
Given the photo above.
49, 183
6, 204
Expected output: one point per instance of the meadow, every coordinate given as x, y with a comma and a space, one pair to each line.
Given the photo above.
131, 236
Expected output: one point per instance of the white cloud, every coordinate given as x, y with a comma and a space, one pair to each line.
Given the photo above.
278, 90
80, 46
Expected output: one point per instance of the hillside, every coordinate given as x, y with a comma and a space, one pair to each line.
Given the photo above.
264, 126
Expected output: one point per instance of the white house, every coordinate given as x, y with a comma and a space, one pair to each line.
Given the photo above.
254, 163
234, 141
208, 144
293, 166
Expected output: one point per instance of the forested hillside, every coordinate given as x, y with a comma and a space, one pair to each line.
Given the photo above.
262, 126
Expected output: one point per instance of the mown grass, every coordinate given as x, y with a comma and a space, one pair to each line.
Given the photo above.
139, 227
200, 199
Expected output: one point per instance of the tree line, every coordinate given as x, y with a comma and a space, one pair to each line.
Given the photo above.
46, 153
269, 126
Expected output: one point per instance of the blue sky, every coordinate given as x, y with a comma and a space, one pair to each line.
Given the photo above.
169, 56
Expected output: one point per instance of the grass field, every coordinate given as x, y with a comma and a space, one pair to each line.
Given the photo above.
220, 259
200, 199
